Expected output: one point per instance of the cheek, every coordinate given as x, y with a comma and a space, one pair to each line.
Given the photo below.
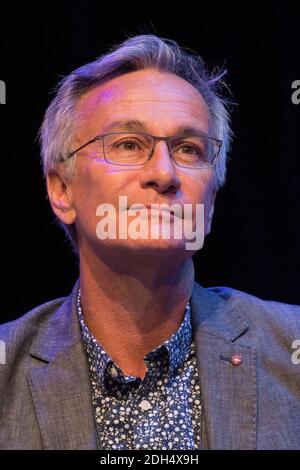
89, 186
208, 198
202, 191
86, 195
202, 187
97, 184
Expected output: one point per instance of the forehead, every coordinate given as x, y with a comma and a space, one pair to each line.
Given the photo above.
148, 95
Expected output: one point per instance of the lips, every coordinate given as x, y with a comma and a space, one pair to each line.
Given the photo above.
160, 209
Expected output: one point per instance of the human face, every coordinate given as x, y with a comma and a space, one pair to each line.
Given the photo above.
162, 103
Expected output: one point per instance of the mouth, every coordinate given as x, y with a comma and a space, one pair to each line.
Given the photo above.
160, 210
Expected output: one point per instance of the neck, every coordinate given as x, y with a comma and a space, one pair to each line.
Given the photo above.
131, 306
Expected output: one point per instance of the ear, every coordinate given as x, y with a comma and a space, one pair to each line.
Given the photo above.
60, 197
211, 210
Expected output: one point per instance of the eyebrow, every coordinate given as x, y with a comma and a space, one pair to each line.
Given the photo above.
135, 125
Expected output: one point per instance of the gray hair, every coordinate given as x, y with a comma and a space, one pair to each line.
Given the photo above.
136, 53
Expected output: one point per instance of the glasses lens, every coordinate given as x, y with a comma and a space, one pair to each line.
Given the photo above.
194, 151
127, 149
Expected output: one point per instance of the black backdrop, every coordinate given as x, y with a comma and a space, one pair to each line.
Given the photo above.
254, 242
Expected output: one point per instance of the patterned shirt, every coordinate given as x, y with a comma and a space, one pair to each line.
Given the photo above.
161, 411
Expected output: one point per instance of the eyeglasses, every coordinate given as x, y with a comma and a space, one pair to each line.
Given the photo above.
135, 149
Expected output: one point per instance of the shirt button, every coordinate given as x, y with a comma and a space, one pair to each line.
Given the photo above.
145, 405
113, 372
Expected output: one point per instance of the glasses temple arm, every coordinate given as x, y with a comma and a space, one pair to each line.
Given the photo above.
98, 137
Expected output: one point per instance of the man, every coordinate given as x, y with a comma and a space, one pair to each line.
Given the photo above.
140, 356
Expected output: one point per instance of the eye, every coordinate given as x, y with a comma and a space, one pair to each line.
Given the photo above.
189, 149
186, 148
129, 145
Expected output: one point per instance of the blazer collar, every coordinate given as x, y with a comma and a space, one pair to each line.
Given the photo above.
60, 333
214, 314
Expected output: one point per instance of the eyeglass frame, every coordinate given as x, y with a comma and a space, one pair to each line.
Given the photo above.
155, 139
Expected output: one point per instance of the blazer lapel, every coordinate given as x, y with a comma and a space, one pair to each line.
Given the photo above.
59, 383
229, 396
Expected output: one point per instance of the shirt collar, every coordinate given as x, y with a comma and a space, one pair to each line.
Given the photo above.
177, 346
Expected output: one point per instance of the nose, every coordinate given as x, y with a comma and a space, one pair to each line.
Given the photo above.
160, 171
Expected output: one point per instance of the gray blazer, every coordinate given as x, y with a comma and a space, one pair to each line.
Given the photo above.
45, 397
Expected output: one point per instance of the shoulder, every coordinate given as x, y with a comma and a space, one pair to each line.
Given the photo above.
17, 339
26, 326
259, 312
242, 299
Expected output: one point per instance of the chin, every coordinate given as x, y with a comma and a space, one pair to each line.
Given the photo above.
161, 248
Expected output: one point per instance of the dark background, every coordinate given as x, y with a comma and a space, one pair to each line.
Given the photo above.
254, 242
